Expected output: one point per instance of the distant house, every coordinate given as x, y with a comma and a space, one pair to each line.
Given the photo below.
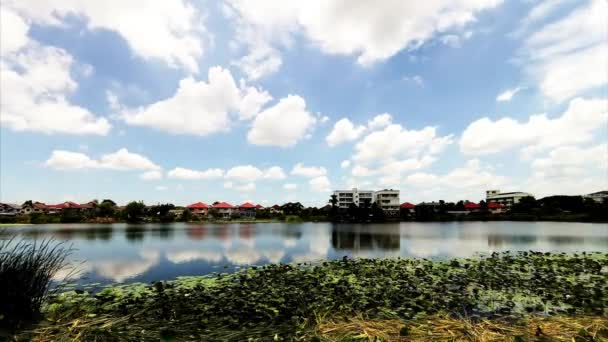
276, 209
247, 210
259, 206
496, 208
599, 196
9, 209
32, 207
53, 209
199, 209
472, 207
505, 198
224, 210
407, 206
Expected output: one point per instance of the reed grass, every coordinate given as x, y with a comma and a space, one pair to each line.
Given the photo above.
26, 270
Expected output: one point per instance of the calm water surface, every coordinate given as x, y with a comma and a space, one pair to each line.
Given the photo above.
144, 253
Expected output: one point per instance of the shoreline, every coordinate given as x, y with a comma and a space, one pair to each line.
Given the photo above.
309, 300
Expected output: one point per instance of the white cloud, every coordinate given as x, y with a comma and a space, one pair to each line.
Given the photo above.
244, 173
320, 184
345, 164
188, 174
197, 108
228, 185
252, 101
507, 95
468, 182
36, 84
395, 141
576, 125
567, 57
125, 160
290, 186
570, 170
308, 171
259, 62
344, 131
171, 31
416, 79
122, 160
380, 121
274, 173
283, 124
151, 175
160, 188
66, 160
381, 29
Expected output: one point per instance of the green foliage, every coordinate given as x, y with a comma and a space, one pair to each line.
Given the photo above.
284, 299
26, 270
134, 212
38, 218
186, 216
107, 208
71, 215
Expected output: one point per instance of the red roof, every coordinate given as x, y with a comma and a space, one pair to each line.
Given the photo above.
407, 205
223, 205
276, 206
198, 205
259, 206
247, 205
63, 205
471, 205
495, 205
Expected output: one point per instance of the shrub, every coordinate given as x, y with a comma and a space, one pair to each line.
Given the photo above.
26, 271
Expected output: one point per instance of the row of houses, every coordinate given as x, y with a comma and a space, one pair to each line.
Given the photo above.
227, 210
9, 209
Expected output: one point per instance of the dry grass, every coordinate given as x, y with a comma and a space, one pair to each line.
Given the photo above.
444, 328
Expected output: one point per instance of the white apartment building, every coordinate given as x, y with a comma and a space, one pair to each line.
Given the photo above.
505, 198
356, 196
387, 199
599, 196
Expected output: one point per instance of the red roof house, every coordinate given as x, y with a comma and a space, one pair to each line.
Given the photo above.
247, 205
259, 206
223, 205
199, 208
407, 205
472, 206
495, 205
198, 205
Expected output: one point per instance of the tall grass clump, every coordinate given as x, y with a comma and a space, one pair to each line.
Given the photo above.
26, 270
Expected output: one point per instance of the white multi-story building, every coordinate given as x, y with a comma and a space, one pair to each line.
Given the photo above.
505, 198
356, 196
388, 200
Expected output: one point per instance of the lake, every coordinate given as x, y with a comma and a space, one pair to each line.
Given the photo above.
143, 253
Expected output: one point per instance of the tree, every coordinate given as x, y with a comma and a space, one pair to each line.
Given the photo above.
377, 213
106, 208
135, 212
186, 215
525, 205
333, 213
71, 215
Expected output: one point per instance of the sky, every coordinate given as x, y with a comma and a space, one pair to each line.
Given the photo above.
274, 101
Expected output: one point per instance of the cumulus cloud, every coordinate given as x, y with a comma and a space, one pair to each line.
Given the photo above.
344, 131
467, 182
567, 57
245, 173
151, 175
274, 173
382, 29
200, 108
320, 184
188, 174
173, 31
36, 85
308, 171
160, 188
283, 124
570, 170
121, 160
345, 164
507, 95
576, 125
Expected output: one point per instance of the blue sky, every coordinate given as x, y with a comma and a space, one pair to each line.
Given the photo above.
277, 101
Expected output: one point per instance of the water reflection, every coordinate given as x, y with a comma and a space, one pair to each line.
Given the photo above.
132, 253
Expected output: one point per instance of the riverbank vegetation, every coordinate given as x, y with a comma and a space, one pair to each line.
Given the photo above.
26, 270
526, 295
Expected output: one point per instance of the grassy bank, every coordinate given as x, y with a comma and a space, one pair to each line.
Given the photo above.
327, 300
